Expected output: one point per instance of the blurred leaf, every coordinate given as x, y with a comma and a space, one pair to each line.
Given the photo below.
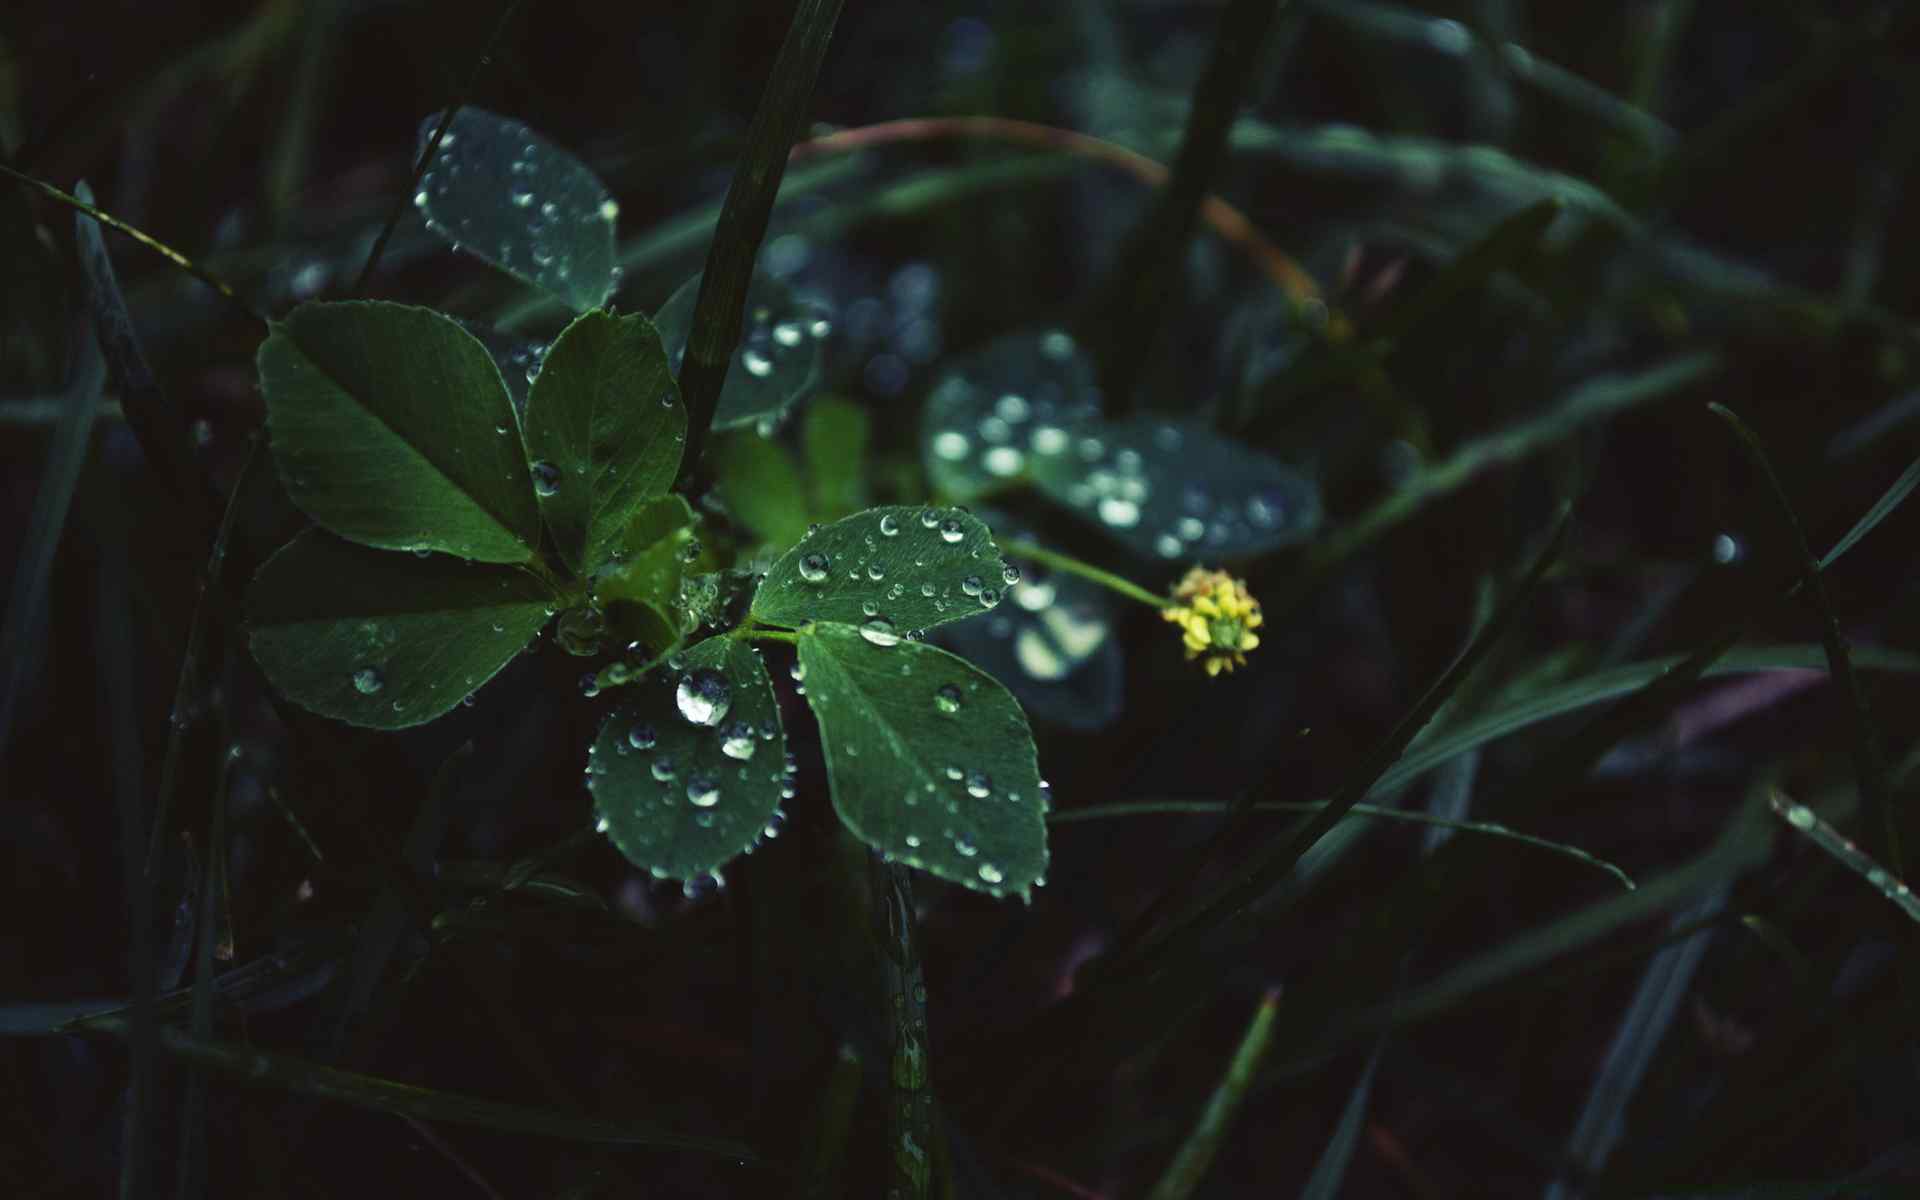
503, 193
392, 428
1512, 239
1026, 409
778, 361
835, 439
930, 760
688, 773
759, 484
604, 430
896, 569
1053, 647
386, 640
1882, 508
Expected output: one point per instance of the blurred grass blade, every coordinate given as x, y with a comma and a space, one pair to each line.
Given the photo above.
286, 1072
821, 1178
1881, 510
1189, 1166
1870, 765
1594, 400
1172, 807
192, 1164
1428, 753
1512, 239
22, 645
1850, 856
719, 311
160, 426
1744, 843
1331, 1170
1656, 1002
1271, 862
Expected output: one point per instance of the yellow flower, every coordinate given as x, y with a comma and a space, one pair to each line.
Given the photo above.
1217, 616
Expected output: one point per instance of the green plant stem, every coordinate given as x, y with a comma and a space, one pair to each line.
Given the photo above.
1034, 552
769, 635
719, 311
145, 239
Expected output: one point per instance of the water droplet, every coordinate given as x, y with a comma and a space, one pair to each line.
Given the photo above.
951, 530
888, 526
951, 445
1800, 816
971, 585
1004, 461
610, 211
642, 737
787, 333
964, 846
798, 671
757, 364
814, 567
990, 873
664, 768
546, 478
703, 697
1119, 513
1010, 574
736, 741
956, 774
703, 789
947, 699
879, 631
368, 680
876, 572
979, 784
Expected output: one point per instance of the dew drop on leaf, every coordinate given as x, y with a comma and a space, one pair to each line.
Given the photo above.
703, 789
736, 741
879, 631
368, 680
642, 737
979, 784
546, 478
814, 567
947, 699
703, 697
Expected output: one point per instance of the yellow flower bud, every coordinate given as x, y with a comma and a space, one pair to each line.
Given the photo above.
1217, 616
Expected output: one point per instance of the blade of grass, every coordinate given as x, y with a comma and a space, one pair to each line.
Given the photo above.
1189, 1166
1594, 400
160, 426
145, 239
1144, 808
718, 312
1656, 1002
1270, 863
1881, 510
1330, 1171
1870, 767
432, 148
22, 645
1510, 240
1745, 843
186, 687
1848, 855
1146, 274
288, 1073
821, 1177
192, 1164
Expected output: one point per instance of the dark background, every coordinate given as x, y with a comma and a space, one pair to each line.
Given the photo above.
268, 141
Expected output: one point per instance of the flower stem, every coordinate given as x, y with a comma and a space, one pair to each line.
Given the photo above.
1073, 566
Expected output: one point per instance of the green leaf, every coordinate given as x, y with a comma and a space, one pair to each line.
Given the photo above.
757, 480
930, 760
1025, 409
896, 568
604, 430
392, 428
778, 361
835, 441
386, 640
503, 193
690, 773
647, 568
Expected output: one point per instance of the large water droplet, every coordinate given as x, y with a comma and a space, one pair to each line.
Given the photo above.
368, 680
664, 768
879, 631
814, 567
736, 741
889, 527
642, 737
703, 789
979, 784
546, 478
703, 697
947, 699
990, 873
951, 530
971, 585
